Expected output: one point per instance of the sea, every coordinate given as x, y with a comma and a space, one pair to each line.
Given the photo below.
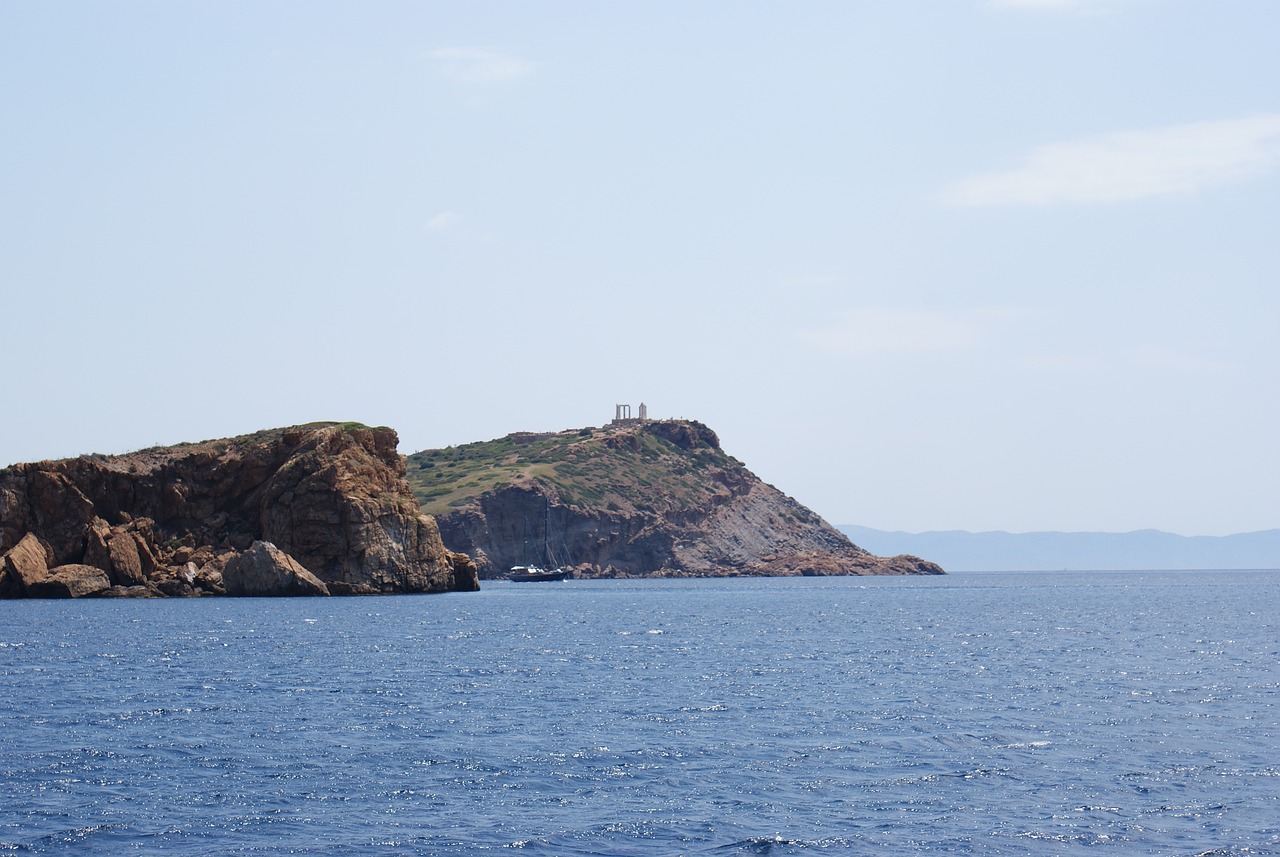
977, 713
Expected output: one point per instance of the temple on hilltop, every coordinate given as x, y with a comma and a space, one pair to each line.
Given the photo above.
622, 415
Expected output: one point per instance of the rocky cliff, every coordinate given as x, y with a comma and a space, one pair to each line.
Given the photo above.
651, 498
315, 509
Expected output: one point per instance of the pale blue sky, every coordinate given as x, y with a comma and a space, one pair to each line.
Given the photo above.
959, 264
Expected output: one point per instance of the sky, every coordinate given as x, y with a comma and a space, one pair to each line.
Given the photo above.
921, 264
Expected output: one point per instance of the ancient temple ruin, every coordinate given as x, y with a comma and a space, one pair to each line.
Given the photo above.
622, 414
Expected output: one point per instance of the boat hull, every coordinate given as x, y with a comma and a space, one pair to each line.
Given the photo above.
536, 575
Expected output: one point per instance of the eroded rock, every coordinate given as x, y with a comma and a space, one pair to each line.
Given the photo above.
126, 564
24, 566
332, 497
265, 570
70, 581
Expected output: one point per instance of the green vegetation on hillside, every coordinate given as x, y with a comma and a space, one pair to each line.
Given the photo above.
618, 469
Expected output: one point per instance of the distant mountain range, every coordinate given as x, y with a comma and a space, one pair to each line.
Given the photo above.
957, 550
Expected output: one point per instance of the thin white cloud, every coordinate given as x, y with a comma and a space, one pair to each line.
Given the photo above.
480, 65
443, 220
880, 332
1131, 165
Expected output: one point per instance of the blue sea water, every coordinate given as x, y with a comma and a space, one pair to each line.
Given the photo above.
1065, 713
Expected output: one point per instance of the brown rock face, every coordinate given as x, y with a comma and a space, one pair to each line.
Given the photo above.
70, 581
26, 564
169, 520
265, 570
126, 561
24, 572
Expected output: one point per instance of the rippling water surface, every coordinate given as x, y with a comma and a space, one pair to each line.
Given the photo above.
972, 714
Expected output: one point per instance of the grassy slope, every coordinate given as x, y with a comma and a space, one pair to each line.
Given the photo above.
240, 442
619, 469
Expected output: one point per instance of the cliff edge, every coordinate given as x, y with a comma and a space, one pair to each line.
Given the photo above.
315, 509
644, 498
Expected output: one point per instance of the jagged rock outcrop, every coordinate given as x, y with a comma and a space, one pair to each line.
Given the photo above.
25, 565
265, 570
24, 570
652, 498
168, 521
70, 581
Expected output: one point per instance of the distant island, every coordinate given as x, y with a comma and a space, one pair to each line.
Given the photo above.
1054, 551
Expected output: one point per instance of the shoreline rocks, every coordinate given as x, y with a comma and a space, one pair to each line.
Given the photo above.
331, 499
264, 571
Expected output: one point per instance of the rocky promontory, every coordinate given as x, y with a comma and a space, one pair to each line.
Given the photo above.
638, 498
316, 509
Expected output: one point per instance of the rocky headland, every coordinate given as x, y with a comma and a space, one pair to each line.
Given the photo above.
640, 498
309, 510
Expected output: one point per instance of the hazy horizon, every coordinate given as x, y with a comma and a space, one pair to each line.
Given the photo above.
1141, 550
986, 265
1057, 532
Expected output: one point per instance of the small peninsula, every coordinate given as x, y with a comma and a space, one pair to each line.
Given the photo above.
634, 498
